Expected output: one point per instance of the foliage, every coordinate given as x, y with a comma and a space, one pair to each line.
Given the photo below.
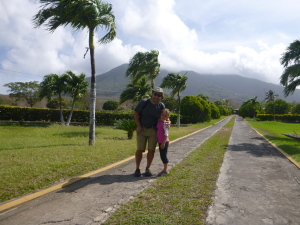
295, 109
171, 103
110, 105
81, 15
29, 91
291, 62
54, 103
215, 112
204, 97
197, 109
144, 64
288, 118
128, 125
250, 108
136, 92
279, 107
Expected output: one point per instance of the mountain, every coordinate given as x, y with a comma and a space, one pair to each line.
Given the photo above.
217, 87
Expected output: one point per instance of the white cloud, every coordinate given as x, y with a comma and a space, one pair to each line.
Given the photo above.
236, 37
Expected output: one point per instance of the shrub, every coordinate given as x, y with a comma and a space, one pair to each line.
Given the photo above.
110, 105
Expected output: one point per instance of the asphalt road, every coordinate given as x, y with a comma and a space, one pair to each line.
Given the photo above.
257, 185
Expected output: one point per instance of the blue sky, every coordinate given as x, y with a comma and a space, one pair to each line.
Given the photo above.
213, 37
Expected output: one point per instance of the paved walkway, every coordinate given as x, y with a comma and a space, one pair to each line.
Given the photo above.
257, 185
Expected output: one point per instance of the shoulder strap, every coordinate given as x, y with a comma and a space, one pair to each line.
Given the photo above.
144, 105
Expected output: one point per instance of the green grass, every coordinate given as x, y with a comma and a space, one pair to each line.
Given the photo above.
34, 157
184, 195
273, 130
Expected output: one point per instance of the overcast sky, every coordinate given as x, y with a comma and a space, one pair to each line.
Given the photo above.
207, 36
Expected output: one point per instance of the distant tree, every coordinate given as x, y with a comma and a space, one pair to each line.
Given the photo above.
144, 64
171, 103
197, 109
250, 108
204, 97
295, 109
270, 97
110, 105
28, 91
55, 102
54, 85
280, 106
81, 15
177, 83
291, 62
215, 112
136, 92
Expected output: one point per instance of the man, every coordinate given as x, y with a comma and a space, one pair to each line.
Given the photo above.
146, 116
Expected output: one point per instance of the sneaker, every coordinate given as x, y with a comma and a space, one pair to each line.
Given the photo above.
148, 173
163, 172
137, 173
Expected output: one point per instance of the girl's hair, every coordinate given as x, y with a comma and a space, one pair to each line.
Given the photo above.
167, 111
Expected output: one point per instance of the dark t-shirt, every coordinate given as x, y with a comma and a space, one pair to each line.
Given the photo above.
148, 112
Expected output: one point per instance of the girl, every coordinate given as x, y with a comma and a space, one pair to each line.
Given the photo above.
163, 140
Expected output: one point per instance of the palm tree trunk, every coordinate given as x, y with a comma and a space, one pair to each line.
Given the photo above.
178, 116
93, 90
61, 112
71, 113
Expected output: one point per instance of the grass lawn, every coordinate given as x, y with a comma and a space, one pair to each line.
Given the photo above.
273, 130
34, 157
184, 195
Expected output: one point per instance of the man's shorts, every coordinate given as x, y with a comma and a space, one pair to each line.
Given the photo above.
147, 135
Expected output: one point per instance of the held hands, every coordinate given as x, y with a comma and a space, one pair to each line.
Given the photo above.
162, 145
139, 129
168, 123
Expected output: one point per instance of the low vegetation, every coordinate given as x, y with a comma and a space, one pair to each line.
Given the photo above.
35, 156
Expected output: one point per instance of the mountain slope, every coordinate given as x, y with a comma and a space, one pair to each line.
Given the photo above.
216, 87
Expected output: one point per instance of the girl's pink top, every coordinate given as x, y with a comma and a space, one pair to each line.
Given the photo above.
162, 131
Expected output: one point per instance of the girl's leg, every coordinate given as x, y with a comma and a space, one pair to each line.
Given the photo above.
163, 156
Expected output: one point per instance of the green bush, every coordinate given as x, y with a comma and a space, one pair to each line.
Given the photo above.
110, 105
289, 118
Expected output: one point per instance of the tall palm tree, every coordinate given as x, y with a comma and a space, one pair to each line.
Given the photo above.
177, 83
254, 105
270, 97
290, 60
80, 15
54, 85
144, 64
76, 87
136, 92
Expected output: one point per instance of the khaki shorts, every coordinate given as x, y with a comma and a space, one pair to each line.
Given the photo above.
147, 135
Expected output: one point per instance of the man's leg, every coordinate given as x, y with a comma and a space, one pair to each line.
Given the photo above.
138, 158
150, 156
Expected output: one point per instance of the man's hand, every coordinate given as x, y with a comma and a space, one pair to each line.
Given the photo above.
139, 129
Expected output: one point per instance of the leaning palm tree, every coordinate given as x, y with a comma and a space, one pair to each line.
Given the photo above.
177, 83
144, 64
270, 97
80, 15
136, 92
290, 78
76, 86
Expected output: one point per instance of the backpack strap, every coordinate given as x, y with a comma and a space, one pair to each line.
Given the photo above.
144, 106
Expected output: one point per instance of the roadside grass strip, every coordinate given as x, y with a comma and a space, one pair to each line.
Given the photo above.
185, 194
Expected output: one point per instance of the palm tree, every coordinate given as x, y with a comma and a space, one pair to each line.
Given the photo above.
76, 87
54, 85
80, 15
177, 83
254, 104
136, 92
144, 65
270, 97
290, 78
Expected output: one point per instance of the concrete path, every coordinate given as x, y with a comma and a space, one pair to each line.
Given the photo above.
92, 200
257, 184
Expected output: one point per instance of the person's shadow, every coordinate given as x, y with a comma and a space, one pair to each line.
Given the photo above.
102, 180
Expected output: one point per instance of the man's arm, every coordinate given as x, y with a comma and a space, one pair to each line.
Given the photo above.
137, 121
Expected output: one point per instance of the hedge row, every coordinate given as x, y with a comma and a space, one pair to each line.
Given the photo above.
13, 113
290, 118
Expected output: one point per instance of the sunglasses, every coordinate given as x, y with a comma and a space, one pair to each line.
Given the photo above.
157, 95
